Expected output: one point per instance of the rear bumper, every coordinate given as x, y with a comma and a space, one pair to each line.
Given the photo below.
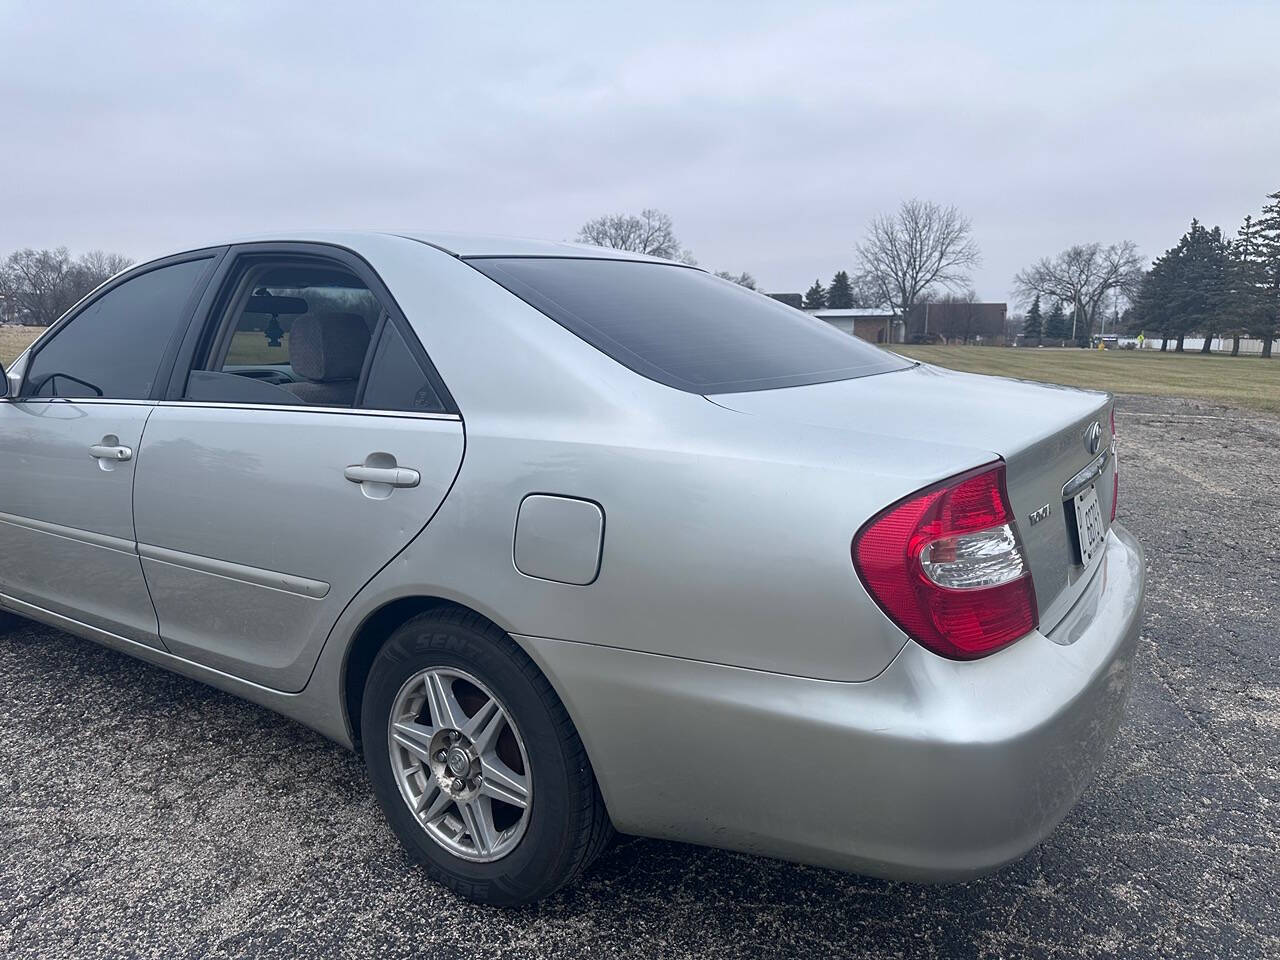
935, 770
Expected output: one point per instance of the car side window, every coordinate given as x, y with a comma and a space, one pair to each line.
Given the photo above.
293, 333
308, 331
114, 347
397, 381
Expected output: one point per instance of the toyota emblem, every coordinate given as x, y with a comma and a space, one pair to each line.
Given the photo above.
1093, 437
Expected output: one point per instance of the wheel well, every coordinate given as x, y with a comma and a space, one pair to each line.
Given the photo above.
373, 633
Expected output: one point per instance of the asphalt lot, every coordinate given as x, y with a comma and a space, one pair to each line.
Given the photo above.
146, 815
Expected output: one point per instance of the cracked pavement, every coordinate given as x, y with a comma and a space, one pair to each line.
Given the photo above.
145, 815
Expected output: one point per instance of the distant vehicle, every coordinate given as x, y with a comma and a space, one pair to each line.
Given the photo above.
567, 539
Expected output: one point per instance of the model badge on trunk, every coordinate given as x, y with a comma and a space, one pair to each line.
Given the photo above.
1037, 515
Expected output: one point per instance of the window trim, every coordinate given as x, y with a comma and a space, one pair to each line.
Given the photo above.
164, 371
306, 408
222, 288
375, 340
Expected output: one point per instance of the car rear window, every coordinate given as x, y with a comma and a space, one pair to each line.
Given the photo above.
684, 327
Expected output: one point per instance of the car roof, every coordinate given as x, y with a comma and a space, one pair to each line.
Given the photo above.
459, 244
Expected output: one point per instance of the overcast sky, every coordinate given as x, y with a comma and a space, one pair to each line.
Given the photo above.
770, 133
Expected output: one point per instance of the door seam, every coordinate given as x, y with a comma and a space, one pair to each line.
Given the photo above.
133, 522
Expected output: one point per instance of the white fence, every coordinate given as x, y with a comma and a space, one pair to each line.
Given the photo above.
1193, 344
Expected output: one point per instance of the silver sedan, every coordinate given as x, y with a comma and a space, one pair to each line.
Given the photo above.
569, 541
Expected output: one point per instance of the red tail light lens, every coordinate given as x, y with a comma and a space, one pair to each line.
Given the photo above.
946, 566
1115, 467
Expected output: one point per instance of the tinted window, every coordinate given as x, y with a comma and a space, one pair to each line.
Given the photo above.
685, 328
396, 379
113, 348
293, 333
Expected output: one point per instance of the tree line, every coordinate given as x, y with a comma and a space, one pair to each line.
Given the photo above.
907, 257
1053, 327
1214, 286
922, 252
1079, 282
843, 293
39, 286
1207, 285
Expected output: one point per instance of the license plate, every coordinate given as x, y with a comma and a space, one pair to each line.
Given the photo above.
1088, 523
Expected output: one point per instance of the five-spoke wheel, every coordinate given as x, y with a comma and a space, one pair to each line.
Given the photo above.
476, 763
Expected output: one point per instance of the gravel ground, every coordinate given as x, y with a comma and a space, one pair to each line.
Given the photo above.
146, 815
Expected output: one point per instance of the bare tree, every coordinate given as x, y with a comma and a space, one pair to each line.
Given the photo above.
1082, 277
37, 283
99, 265
649, 233
742, 279
866, 292
38, 286
908, 254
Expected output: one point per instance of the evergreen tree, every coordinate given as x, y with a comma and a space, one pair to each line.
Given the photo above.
816, 297
840, 293
1247, 282
1033, 326
1267, 317
1188, 289
1202, 286
1056, 327
1153, 311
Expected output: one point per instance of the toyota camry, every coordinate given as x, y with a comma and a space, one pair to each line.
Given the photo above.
568, 541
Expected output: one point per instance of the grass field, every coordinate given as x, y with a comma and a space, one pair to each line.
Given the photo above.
13, 340
1241, 381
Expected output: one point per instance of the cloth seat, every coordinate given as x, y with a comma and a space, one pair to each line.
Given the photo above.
328, 351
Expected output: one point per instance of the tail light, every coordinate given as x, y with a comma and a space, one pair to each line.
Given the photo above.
1115, 467
947, 567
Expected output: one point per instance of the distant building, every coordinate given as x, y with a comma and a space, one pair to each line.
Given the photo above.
953, 321
957, 320
790, 299
869, 323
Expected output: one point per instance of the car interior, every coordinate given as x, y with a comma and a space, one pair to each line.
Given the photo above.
299, 333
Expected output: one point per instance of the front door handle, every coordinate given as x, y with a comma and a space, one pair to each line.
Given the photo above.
109, 451
392, 476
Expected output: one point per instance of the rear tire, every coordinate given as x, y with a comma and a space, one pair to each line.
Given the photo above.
534, 850
10, 622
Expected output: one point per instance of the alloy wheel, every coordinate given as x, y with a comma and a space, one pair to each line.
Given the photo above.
460, 763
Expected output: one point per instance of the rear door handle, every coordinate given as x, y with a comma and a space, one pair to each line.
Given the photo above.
105, 451
392, 476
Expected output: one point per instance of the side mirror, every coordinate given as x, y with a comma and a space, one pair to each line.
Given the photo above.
4, 382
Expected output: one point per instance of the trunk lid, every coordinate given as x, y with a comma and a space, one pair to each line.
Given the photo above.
1039, 430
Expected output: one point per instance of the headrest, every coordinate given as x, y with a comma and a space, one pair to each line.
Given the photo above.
328, 347
267, 303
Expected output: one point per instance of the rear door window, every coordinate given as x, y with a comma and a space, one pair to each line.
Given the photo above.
306, 331
296, 332
685, 328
